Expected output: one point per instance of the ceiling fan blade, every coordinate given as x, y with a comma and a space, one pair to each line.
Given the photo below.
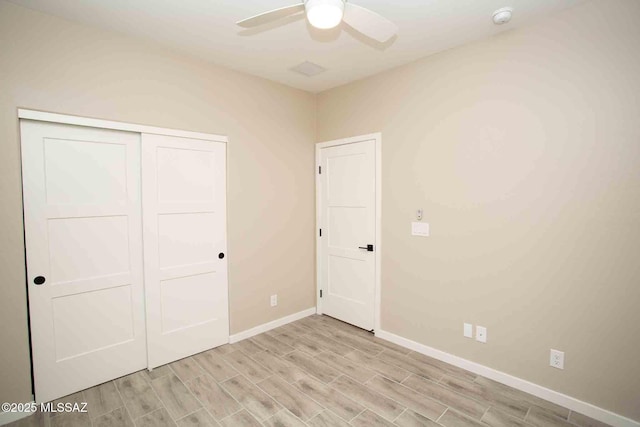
369, 23
272, 15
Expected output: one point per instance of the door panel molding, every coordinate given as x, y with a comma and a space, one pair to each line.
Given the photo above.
377, 137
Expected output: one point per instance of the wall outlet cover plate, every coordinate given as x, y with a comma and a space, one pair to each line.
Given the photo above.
468, 330
481, 334
556, 359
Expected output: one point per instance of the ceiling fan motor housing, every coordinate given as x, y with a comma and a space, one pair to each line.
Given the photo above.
324, 14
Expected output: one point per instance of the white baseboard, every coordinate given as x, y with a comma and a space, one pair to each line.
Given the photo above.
569, 402
9, 417
271, 325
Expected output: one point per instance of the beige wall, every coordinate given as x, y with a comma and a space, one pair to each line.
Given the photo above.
54, 65
524, 152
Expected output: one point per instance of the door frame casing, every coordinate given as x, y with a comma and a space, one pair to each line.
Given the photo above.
44, 116
377, 137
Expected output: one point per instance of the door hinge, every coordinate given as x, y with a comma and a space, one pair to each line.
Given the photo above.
321, 232
320, 293
320, 169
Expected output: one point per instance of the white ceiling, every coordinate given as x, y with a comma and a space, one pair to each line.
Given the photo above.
206, 29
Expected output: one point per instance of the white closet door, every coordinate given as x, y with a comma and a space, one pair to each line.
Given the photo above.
84, 255
184, 198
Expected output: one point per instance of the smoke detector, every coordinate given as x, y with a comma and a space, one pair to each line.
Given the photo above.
502, 16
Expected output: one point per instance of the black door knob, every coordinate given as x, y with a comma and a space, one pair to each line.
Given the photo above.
221, 255
369, 248
39, 280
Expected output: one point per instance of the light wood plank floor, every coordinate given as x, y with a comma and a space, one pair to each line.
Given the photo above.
317, 371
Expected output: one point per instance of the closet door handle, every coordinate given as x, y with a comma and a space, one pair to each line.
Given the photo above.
369, 248
39, 280
221, 255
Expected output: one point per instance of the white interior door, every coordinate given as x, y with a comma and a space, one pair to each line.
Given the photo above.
84, 255
184, 198
347, 264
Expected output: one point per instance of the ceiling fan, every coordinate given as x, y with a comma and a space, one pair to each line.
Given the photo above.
325, 14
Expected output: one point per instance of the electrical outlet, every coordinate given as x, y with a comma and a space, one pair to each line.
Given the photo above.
556, 359
481, 334
274, 300
468, 330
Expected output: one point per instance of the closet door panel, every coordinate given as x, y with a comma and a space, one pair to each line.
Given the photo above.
83, 235
184, 246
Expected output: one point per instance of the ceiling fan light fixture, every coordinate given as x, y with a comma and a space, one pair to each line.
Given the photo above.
324, 14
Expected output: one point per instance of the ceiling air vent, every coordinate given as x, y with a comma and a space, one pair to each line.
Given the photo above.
308, 69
